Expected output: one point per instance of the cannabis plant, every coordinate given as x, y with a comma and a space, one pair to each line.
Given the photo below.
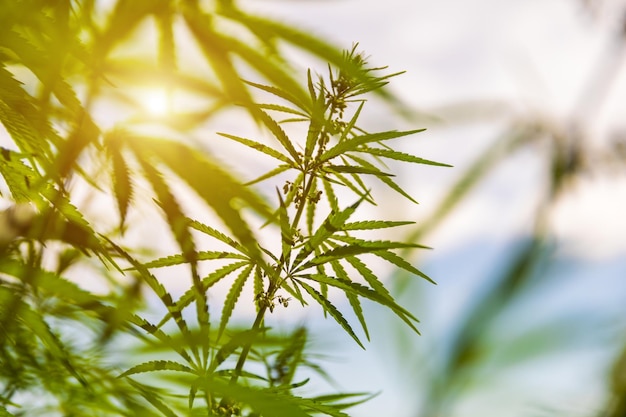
64, 347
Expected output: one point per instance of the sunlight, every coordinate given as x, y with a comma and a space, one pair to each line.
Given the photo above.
156, 102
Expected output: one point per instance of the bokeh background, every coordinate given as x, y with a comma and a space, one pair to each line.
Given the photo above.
526, 99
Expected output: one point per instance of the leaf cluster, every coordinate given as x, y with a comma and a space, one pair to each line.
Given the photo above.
205, 364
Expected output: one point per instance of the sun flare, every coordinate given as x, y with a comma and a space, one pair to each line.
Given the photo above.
156, 102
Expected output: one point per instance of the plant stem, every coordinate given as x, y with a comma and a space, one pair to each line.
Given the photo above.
270, 290
246, 348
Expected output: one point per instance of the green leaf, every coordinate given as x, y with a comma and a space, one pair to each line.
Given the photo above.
176, 219
283, 109
363, 291
374, 224
279, 134
207, 282
351, 169
369, 276
359, 188
272, 173
385, 179
122, 184
354, 143
210, 231
17, 175
259, 147
402, 263
231, 298
400, 156
292, 356
332, 310
159, 290
278, 92
266, 402
151, 396
154, 366
286, 231
352, 298
164, 338
125, 17
201, 256
334, 222
36, 324
351, 124
361, 247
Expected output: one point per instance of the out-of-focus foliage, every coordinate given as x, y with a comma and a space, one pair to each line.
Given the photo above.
472, 353
77, 141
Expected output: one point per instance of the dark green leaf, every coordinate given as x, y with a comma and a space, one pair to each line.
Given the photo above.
332, 310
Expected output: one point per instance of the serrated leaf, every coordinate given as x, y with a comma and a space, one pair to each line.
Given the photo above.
359, 189
279, 134
176, 219
283, 109
154, 366
201, 256
159, 290
231, 298
286, 232
400, 156
333, 223
207, 282
374, 224
361, 247
272, 173
352, 298
352, 169
386, 180
354, 143
332, 310
352, 123
210, 231
258, 284
122, 184
278, 92
259, 147
363, 291
330, 195
402, 263
17, 175
369, 276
